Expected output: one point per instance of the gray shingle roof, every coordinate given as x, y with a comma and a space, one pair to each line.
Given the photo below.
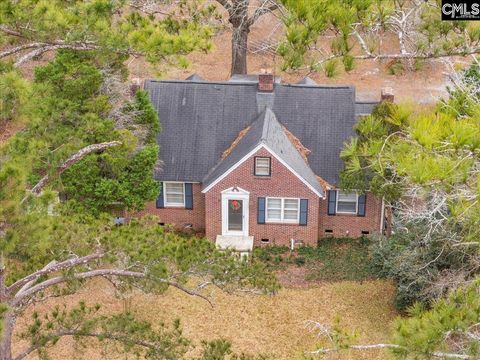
266, 130
307, 81
364, 107
201, 119
250, 78
194, 77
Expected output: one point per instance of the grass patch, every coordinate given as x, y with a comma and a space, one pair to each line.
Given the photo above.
334, 259
339, 259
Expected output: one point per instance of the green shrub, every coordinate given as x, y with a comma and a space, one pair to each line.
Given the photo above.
278, 259
271, 255
331, 68
348, 63
396, 68
337, 259
299, 261
414, 264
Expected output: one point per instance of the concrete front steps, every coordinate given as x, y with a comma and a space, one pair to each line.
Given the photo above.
242, 244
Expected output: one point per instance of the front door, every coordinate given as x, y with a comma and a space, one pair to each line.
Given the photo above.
235, 213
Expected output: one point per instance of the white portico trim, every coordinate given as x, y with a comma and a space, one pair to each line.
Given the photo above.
243, 197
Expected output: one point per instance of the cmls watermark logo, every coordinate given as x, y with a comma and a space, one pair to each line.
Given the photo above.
460, 10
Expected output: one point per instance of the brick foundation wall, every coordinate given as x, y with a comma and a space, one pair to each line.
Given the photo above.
345, 225
282, 183
180, 216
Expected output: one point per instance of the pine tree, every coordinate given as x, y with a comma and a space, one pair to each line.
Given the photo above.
360, 28
31, 28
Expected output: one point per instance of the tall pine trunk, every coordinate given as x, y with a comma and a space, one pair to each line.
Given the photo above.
241, 27
6, 337
239, 50
8, 320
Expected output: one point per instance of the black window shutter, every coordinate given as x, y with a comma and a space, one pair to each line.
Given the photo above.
303, 211
332, 202
189, 196
261, 210
160, 204
362, 200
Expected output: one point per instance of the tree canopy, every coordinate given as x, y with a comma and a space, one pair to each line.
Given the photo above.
30, 28
398, 31
74, 101
424, 162
86, 136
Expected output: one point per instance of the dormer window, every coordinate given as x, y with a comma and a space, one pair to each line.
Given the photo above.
262, 166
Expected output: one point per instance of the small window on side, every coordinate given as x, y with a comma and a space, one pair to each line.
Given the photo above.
174, 194
347, 203
262, 166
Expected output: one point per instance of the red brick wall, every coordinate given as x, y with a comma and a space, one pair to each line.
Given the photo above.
282, 183
180, 216
351, 225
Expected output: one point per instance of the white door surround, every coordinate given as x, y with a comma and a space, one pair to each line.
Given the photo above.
231, 226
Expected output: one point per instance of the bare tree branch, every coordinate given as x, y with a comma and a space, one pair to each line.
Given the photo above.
325, 331
50, 268
21, 48
118, 338
226, 5
95, 148
267, 6
437, 354
47, 47
9, 31
21, 297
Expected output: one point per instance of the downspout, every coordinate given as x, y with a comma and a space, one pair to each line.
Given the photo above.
382, 218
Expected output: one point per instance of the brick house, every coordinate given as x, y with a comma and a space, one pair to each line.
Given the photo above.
253, 161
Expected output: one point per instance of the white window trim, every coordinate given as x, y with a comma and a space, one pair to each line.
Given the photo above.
346, 212
282, 214
269, 166
172, 205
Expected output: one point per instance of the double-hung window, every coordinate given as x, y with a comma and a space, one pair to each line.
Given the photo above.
174, 194
283, 210
262, 166
347, 203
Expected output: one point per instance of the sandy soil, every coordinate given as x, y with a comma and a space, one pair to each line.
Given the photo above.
424, 86
7, 129
273, 325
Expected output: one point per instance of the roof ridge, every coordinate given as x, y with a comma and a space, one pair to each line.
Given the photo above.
208, 82
250, 83
268, 114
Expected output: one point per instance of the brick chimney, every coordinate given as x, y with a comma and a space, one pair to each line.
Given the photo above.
265, 80
387, 95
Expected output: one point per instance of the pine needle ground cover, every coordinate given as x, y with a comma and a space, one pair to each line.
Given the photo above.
271, 325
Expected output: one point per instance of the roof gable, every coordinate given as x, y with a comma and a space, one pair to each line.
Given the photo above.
201, 119
265, 132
